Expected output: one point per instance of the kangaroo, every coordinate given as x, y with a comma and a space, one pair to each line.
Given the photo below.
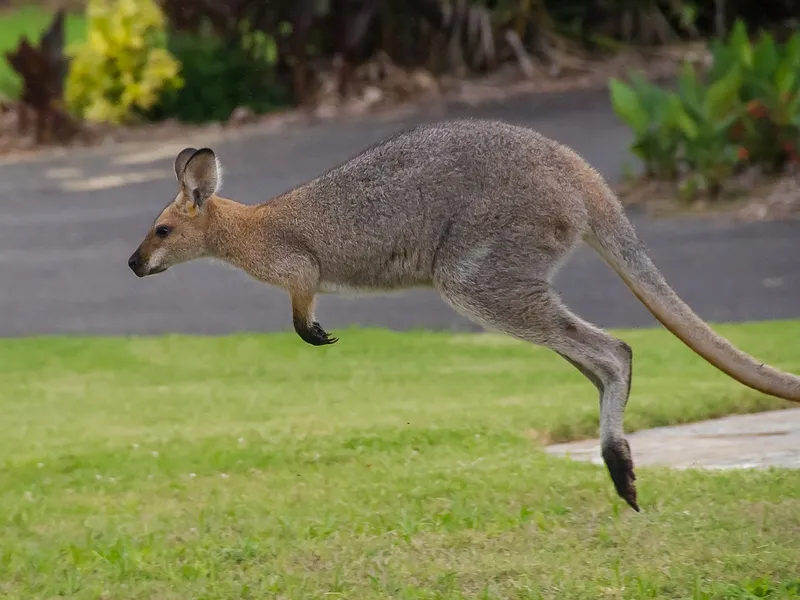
484, 212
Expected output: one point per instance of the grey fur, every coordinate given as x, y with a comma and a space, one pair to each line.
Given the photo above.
181, 160
483, 211
200, 175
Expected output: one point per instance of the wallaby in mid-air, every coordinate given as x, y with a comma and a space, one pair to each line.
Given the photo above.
484, 212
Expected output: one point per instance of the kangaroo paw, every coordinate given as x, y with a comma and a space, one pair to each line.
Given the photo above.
617, 456
315, 335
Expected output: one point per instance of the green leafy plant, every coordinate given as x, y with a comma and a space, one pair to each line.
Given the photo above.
221, 75
709, 111
771, 92
681, 131
744, 111
124, 66
652, 115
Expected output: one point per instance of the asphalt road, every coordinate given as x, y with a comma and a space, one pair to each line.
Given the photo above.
71, 221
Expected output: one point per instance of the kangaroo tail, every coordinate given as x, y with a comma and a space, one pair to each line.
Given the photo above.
611, 234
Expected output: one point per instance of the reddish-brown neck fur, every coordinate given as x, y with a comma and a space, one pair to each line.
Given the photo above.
249, 238
230, 226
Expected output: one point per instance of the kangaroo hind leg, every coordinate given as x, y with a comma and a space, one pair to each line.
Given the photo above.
531, 310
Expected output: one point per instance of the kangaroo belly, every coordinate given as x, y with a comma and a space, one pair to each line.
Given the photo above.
343, 289
378, 273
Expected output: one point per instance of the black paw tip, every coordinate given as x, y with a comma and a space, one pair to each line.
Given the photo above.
617, 456
321, 336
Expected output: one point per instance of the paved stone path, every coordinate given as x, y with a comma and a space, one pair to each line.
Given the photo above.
738, 441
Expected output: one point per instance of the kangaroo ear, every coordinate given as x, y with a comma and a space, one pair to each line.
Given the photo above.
201, 175
181, 160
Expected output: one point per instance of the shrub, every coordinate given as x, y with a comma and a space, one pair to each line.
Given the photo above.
653, 116
124, 66
745, 111
770, 125
221, 75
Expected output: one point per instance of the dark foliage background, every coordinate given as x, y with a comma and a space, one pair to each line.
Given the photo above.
266, 53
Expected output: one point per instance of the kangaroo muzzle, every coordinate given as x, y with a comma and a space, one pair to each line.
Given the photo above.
136, 264
141, 266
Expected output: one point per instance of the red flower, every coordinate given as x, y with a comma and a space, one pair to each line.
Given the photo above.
756, 109
742, 153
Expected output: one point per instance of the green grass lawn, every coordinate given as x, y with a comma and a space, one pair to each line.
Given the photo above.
31, 22
387, 466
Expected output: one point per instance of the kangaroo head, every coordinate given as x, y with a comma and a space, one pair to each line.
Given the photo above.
178, 234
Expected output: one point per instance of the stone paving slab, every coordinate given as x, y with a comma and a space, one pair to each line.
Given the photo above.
769, 439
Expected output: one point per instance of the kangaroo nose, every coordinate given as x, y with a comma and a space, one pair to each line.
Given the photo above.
133, 262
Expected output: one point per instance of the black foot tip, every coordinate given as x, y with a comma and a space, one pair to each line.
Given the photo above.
317, 336
617, 456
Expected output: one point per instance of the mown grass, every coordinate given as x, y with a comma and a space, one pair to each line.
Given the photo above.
30, 21
388, 466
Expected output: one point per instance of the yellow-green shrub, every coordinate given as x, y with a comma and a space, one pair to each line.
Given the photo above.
124, 66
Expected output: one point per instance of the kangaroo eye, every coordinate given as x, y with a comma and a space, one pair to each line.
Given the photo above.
162, 231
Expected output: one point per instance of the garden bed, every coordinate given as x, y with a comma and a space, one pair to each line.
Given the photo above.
391, 90
751, 197
721, 140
